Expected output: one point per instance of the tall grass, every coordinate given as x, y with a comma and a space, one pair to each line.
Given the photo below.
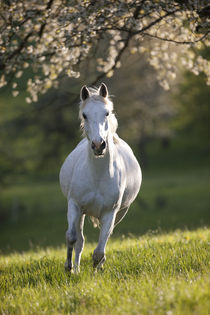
164, 274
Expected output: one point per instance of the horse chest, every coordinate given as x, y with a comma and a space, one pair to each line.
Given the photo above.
95, 194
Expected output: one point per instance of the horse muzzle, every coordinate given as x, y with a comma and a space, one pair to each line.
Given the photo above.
98, 147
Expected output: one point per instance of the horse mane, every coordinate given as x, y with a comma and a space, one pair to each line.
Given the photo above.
94, 94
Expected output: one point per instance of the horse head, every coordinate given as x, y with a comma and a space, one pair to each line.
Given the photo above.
97, 118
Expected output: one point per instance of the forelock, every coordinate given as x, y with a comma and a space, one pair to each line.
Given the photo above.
96, 97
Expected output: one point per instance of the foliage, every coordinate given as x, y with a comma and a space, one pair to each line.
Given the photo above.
54, 37
192, 101
40, 135
166, 274
35, 138
143, 107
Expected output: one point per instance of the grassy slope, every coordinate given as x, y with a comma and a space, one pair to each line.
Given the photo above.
148, 275
165, 274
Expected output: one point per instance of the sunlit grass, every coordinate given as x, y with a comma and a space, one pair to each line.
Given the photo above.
165, 274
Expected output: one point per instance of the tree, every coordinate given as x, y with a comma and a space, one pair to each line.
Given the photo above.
144, 109
192, 101
36, 137
53, 37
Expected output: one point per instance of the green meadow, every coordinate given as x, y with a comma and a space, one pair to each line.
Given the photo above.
152, 274
157, 258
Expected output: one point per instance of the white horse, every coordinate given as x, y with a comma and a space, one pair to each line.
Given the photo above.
100, 178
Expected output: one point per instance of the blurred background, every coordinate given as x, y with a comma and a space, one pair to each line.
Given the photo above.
168, 131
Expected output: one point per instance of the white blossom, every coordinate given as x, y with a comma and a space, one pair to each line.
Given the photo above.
53, 37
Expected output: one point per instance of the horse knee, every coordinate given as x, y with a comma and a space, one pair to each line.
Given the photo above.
98, 258
71, 237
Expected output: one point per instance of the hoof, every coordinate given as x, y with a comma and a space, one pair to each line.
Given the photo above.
68, 268
98, 268
99, 264
76, 270
98, 259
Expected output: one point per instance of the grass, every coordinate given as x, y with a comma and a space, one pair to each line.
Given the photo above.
157, 258
153, 274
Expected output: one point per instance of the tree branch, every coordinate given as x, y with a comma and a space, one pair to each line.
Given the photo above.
16, 51
175, 41
118, 57
154, 22
41, 31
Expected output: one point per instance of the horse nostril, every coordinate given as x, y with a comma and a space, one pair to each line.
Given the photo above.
93, 145
103, 145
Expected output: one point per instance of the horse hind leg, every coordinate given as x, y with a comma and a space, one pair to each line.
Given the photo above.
120, 215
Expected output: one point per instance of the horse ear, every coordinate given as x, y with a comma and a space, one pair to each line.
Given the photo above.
103, 91
84, 93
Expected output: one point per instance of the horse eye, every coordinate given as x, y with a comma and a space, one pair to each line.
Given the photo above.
84, 116
107, 114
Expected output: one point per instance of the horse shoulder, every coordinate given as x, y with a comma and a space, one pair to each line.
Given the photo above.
127, 155
69, 165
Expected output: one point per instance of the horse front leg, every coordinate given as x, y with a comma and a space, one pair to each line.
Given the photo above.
72, 235
79, 245
107, 224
